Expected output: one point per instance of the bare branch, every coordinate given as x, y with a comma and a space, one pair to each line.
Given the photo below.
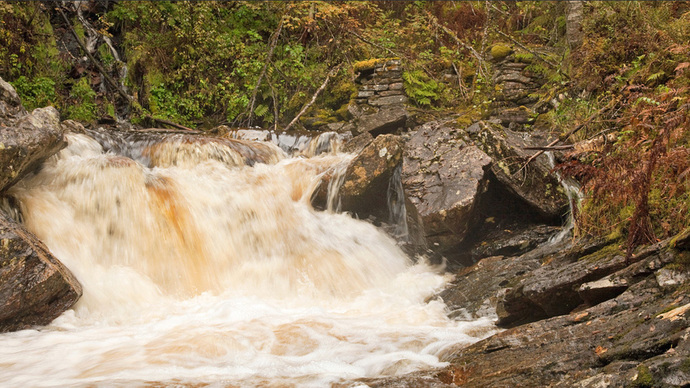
481, 63
314, 97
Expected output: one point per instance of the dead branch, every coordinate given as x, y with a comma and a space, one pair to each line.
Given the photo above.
314, 97
170, 123
566, 136
481, 63
93, 60
551, 148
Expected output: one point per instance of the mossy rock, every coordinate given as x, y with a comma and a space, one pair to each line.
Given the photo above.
681, 240
370, 64
527, 58
500, 51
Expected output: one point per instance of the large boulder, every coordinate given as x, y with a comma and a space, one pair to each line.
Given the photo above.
29, 141
534, 183
35, 288
367, 178
626, 341
443, 176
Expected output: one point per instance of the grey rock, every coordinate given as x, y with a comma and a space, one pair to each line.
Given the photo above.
10, 104
386, 120
390, 100
396, 86
8, 94
535, 184
443, 177
603, 289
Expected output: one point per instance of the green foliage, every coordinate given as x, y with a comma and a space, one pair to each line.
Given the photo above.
29, 58
35, 93
421, 90
83, 102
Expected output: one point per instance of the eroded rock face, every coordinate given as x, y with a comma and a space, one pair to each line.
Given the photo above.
30, 140
533, 183
616, 343
35, 288
443, 176
631, 330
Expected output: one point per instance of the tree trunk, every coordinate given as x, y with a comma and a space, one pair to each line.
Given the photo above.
573, 23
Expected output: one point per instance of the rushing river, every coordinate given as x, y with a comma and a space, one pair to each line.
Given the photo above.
204, 264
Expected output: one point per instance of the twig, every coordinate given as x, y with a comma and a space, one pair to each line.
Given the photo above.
314, 97
566, 136
550, 148
170, 123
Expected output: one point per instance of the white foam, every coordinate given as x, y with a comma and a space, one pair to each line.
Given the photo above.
220, 275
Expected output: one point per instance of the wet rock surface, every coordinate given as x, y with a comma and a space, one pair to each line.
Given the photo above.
35, 288
443, 175
622, 323
368, 175
533, 183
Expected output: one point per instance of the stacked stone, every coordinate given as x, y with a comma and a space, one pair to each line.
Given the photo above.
382, 86
380, 103
514, 102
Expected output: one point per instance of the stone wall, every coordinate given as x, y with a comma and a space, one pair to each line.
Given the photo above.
380, 103
517, 86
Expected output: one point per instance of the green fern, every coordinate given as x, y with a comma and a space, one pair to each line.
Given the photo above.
422, 90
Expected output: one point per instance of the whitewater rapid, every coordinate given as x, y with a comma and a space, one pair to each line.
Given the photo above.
204, 263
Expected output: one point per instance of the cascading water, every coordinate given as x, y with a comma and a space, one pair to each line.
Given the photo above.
574, 194
203, 263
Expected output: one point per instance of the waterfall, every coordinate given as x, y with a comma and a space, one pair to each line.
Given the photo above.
396, 206
203, 262
575, 196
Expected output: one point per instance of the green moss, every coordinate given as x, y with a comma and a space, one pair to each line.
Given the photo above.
500, 51
644, 378
369, 64
524, 57
603, 253
343, 112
